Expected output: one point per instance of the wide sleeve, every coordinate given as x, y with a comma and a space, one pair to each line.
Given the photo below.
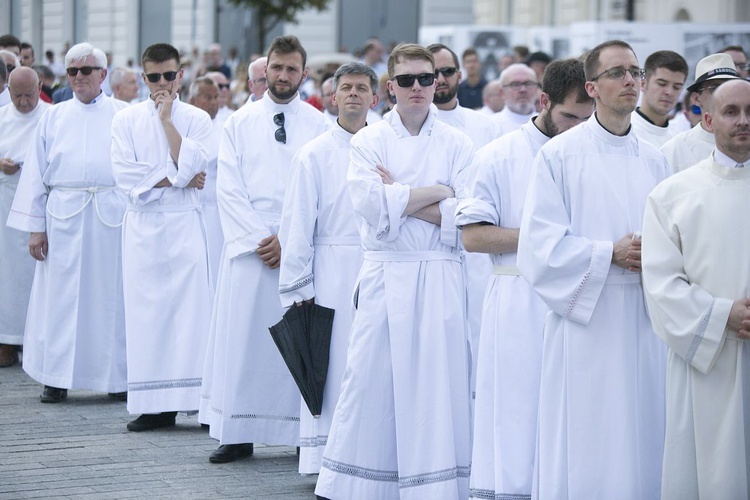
193, 157
381, 206
691, 321
480, 203
29, 209
135, 178
300, 213
242, 226
568, 271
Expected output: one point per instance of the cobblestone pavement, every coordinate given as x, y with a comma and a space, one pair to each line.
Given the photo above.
80, 449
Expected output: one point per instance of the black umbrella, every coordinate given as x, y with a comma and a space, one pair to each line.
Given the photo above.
303, 337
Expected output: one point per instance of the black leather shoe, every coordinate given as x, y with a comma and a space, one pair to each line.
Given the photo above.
53, 394
119, 396
230, 452
147, 422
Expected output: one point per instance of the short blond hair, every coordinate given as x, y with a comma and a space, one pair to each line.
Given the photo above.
408, 51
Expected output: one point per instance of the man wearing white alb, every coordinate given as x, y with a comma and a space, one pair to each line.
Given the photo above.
248, 394
402, 426
520, 93
482, 130
601, 398
18, 123
322, 252
696, 276
204, 94
159, 160
68, 201
510, 350
695, 145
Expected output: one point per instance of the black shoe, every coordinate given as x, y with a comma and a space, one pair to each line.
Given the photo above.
147, 422
53, 394
119, 396
230, 452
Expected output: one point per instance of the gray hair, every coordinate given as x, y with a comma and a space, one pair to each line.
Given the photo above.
355, 68
81, 51
118, 75
195, 87
516, 66
259, 61
17, 62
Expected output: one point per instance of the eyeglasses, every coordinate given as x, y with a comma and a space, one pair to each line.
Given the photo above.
619, 73
86, 70
528, 85
447, 71
710, 88
155, 77
280, 134
260, 81
222, 86
424, 79
742, 66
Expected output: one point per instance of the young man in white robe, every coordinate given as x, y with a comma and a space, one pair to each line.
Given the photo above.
695, 145
696, 275
510, 350
68, 201
322, 252
204, 94
159, 159
666, 72
402, 426
18, 123
481, 130
520, 93
601, 397
248, 394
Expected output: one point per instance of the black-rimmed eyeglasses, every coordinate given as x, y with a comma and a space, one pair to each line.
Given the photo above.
155, 77
86, 70
406, 81
528, 85
618, 73
280, 134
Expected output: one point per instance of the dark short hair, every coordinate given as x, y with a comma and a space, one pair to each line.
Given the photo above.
10, 41
159, 53
287, 44
355, 68
43, 71
471, 51
564, 77
542, 57
26, 45
591, 65
733, 48
437, 47
411, 52
666, 59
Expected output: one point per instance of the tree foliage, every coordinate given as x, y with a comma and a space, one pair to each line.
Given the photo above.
269, 13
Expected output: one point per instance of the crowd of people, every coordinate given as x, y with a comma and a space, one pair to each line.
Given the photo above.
540, 281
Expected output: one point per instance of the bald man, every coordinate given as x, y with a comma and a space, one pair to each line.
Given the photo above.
492, 97
17, 122
520, 91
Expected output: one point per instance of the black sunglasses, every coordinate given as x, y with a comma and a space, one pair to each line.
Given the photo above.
222, 86
86, 70
155, 77
424, 79
10, 67
447, 72
280, 134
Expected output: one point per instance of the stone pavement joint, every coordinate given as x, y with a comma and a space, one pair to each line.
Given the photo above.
80, 449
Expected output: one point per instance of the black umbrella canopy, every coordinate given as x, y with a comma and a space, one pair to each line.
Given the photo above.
303, 337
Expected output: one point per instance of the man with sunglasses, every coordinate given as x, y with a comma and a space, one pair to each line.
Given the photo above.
600, 432
248, 393
67, 199
509, 361
222, 83
520, 92
401, 428
692, 146
159, 159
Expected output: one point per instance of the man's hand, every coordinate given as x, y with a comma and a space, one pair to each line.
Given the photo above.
739, 318
199, 181
38, 246
163, 100
626, 253
8, 166
269, 251
384, 174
